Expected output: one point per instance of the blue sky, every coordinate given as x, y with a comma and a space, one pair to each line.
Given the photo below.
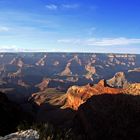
110, 26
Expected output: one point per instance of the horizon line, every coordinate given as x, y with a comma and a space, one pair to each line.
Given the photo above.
70, 52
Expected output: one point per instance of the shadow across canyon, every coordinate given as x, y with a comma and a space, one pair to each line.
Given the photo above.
114, 117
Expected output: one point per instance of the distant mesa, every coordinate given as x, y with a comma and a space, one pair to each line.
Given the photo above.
118, 80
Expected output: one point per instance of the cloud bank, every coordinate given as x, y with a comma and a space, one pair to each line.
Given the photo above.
121, 41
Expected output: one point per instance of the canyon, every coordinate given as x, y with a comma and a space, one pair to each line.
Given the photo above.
22, 74
63, 88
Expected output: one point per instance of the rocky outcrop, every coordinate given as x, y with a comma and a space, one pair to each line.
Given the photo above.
48, 107
118, 80
50, 95
133, 89
122, 79
22, 135
76, 95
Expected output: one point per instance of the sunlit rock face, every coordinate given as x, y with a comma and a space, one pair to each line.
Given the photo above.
133, 89
78, 95
118, 80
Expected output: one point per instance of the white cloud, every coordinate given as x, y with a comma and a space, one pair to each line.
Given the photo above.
113, 41
4, 29
121, 41
62, 6
70, 6
14, 48
51, 7
8, 48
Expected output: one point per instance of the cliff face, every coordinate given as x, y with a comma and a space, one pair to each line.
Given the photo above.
122, 79
78, 95
109, 117
118, 80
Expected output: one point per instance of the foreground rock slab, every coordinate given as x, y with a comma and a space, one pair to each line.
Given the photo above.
22, 135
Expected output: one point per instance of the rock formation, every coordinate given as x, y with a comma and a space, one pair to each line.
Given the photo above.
76, 95
22, 135
118, 80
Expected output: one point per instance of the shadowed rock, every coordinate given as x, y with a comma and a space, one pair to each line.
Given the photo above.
112, 117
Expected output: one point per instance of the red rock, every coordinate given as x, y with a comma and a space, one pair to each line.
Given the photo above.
77, 95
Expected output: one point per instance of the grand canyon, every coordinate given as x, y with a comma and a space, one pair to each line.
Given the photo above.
94, 95
69, 70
